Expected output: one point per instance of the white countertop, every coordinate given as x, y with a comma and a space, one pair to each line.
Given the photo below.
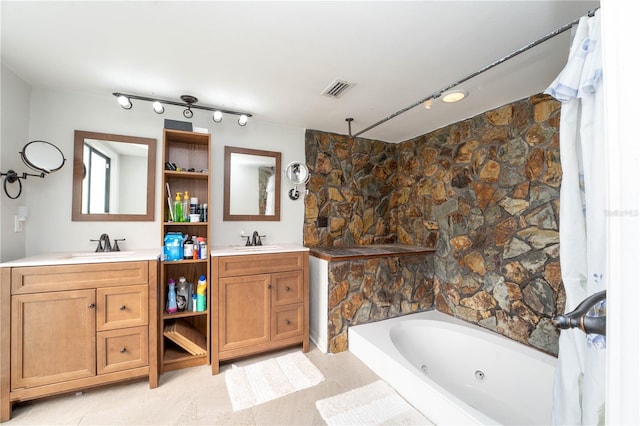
244, 250
73, 258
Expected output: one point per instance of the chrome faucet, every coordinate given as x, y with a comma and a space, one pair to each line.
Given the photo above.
579, 318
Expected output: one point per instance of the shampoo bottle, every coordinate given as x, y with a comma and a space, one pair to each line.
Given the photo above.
177, 207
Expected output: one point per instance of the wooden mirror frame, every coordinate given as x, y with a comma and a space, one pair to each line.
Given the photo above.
78, 165
227, 216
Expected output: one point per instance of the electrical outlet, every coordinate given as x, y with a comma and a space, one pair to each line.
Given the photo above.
17, 224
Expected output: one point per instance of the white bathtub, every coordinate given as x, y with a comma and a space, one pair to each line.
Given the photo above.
458, 373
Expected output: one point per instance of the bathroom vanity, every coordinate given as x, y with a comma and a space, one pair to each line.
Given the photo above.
74, 321
260, 300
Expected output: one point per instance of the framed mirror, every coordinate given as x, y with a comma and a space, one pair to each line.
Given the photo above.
251, 184
113, 177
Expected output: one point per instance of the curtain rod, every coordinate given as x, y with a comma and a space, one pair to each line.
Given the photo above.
474, 74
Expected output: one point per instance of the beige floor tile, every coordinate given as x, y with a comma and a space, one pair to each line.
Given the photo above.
194, 396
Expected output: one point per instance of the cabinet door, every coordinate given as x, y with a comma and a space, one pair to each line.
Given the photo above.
244, 311
53, 337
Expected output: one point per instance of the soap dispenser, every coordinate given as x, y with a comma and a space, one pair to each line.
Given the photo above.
186, 206
177, 207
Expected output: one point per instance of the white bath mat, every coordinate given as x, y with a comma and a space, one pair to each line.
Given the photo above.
270, 379
374, 404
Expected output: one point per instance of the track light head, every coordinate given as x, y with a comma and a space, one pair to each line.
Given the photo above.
217, 116
124, 102
242, 121
187, 112
158, 107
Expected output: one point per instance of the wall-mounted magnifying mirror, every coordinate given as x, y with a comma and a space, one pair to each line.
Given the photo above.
42, 156
113, 177
251, 184
298, 174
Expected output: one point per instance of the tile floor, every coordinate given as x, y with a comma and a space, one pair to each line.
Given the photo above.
195, 397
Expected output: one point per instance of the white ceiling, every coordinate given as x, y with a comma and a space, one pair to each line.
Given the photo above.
274, 59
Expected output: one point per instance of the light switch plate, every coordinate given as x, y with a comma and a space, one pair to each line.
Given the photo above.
17, 224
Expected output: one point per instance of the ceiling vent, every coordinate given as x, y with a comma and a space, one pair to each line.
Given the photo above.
337, 88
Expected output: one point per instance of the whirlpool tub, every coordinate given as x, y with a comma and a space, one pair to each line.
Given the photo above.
458, 373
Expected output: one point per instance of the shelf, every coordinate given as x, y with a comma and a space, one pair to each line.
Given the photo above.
190, 175
184, 223
184, 261
167, 316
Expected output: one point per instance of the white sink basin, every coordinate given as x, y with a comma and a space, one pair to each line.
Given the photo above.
256, 248
101, 254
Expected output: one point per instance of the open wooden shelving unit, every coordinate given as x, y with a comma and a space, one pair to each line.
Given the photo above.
188, 150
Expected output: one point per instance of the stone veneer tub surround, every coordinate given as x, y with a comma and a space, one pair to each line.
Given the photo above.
366, 284
484, 192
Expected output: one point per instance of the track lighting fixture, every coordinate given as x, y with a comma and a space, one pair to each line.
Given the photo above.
158, 107
124, 101
187, 101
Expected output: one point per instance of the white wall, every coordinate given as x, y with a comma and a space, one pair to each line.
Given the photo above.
14, 120
56, 115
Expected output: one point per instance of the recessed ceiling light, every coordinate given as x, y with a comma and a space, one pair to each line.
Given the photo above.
454, 96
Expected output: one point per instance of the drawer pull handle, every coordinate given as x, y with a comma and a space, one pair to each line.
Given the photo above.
287, 288
92, 305
269, 286
288, 322
122, 308
123, 350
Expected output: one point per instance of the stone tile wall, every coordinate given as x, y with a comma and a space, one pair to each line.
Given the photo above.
484, 192
367, 290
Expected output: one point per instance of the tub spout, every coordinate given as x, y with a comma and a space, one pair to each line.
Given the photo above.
579, 318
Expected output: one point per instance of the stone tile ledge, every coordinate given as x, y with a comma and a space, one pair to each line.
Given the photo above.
339, 253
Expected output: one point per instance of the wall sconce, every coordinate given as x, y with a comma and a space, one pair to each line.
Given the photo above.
187, 101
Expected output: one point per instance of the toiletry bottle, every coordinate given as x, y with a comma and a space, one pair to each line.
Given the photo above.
194, 302
202, 246
186, 205
172, 306
177, 207
182, 290
193, 208
188, 248
204, 214
196, 247
201, 293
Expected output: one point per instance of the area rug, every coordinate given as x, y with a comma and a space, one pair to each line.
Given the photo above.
374, 404
270, 379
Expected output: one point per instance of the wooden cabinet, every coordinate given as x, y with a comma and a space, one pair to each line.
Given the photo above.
190, 152
76, 326
260, 303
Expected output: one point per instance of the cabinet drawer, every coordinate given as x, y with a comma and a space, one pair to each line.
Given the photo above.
287, 321
37, 279
120, 307
122, 349
287, 288
230, 266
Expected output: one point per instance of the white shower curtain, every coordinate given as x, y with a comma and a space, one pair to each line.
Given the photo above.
579, 390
